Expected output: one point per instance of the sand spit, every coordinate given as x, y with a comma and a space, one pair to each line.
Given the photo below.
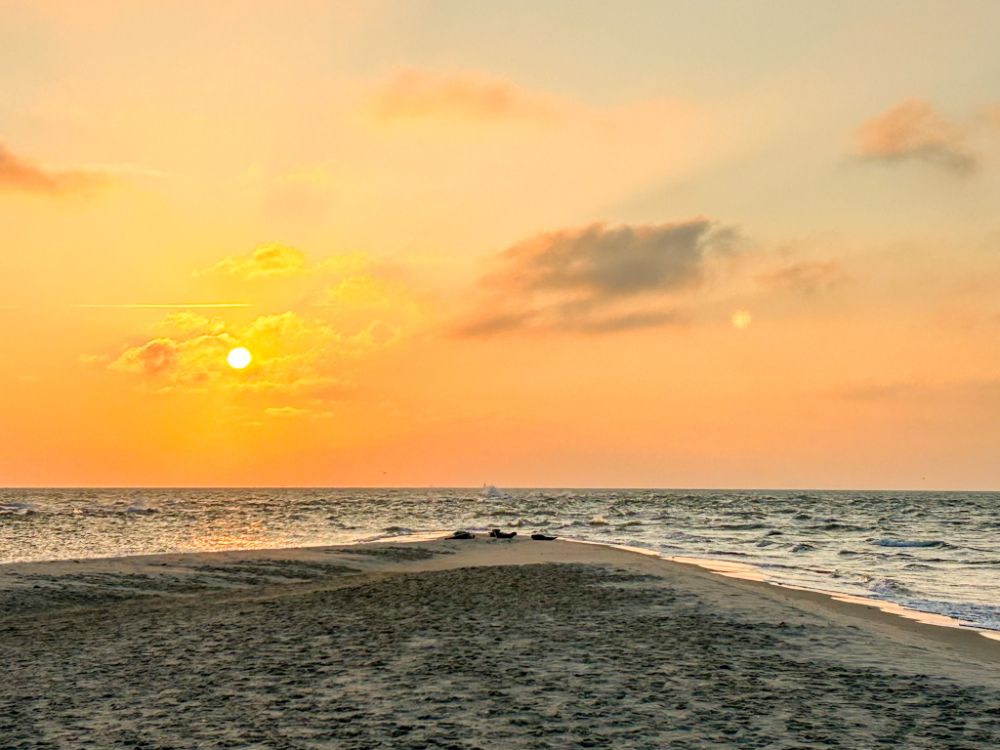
468, 645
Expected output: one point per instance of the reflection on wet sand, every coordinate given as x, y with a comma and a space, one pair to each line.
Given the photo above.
750, 573
229, 533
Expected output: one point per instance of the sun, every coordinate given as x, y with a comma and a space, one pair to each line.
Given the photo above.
239, 357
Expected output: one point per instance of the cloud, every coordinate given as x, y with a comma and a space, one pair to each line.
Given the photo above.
340, 314
914, 131
607, 261
291, 354
630, 321
487, 324
361, 291
21, 175
805, 277
270, 261
284, 412
874, 391
423, 94
990, 118
598, 278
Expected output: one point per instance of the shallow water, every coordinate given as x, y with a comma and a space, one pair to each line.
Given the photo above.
934, 552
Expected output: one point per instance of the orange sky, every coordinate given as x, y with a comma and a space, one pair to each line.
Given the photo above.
508, 246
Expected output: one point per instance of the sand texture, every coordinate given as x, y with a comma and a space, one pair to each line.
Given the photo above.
468, 645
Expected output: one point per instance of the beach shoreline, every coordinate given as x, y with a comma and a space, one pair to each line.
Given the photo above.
468, 644
721, 568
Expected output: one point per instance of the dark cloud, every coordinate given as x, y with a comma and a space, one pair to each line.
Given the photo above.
598, 279
21, 175
630, 321
608, 261
914, 131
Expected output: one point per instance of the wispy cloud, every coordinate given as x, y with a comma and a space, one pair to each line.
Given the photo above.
273, 261
990, 115
270, 261
419, 93
877, 391
598, 278
285, 412
913, 130
805, 277
18, 174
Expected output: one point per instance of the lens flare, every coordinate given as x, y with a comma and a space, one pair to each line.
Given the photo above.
741, 319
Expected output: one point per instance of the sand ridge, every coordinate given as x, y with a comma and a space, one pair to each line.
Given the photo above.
465, 645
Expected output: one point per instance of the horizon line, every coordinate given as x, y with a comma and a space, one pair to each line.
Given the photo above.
649, 488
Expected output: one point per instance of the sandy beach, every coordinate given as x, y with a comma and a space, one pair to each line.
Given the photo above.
468, 644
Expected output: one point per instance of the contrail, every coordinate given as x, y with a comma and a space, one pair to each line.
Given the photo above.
165, 306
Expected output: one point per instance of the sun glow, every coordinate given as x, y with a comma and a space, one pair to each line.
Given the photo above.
741, 319
239, 357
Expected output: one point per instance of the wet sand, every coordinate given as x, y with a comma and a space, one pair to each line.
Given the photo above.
468, 644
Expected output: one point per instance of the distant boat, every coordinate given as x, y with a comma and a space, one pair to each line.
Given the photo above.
489, 492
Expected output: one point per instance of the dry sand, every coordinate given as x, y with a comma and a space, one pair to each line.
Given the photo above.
475, 644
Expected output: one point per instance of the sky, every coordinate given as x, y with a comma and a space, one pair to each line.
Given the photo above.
570, 244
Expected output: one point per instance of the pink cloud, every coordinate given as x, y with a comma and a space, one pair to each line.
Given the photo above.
22, 175
914, 130
414, 93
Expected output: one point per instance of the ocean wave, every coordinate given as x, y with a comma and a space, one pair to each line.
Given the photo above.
727, 553
397, 530
827, 531
742, 526
18, 509
836, 526
984, 616
920, 543
683, 536
888, 588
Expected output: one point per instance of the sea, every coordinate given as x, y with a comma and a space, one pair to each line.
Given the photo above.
932, 552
